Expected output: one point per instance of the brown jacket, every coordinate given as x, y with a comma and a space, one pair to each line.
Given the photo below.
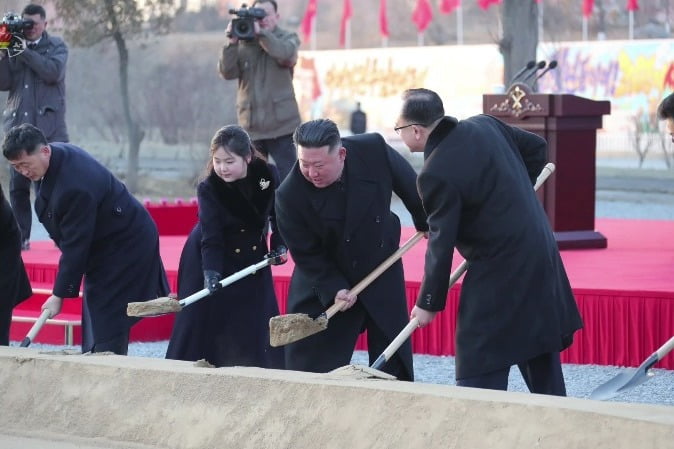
266, 105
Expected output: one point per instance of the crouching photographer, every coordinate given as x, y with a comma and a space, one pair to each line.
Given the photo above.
33, 72
261, 55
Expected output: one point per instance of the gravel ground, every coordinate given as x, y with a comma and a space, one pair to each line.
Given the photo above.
581, 380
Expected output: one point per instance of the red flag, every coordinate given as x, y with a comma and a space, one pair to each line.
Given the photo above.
632, 5
346, 16
448, 6
308, 20
383, 19
588, 6
485, 4
422, 15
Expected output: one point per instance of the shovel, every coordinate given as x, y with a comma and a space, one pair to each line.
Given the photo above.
44, 316
285, 329
412, 325
631, 377
166, 305
404, 334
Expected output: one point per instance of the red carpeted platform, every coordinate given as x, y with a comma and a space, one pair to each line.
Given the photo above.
625, 293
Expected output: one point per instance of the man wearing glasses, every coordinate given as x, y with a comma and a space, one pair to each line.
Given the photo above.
516, 305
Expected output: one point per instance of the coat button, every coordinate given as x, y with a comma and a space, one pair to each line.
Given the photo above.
377, 219
243, 230
254, 247
237, 250
381, 244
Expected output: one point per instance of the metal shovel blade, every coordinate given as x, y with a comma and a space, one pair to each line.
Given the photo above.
286, 329
628, 378
358, 372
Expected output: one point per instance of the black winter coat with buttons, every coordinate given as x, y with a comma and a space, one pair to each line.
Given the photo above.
231, 326
105, 235
329, 257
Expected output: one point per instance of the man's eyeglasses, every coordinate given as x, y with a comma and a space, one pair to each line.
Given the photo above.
398, 128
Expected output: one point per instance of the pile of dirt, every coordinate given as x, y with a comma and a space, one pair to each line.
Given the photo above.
143, 402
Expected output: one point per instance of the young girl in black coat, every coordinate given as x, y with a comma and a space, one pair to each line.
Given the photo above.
236, 204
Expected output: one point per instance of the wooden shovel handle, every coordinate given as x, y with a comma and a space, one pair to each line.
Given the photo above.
665, 349
44, 316
359, 287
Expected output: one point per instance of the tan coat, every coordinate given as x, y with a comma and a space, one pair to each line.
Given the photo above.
266, 105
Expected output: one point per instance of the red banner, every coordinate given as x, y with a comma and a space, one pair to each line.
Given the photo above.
346, 16
383, 19
588, 6
632, 5
485, 4
448, 6
422, 15
308, 20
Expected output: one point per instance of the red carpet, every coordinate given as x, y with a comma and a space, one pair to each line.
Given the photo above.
625, 293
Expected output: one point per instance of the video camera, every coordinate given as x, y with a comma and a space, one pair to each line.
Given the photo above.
243, 27
12, 29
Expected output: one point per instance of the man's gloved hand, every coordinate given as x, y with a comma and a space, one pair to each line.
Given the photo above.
211, 279
278, 256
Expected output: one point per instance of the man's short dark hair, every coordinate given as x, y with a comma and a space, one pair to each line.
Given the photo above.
666, 108
318, 133
273, 2
422, 106
32, 9
24, 137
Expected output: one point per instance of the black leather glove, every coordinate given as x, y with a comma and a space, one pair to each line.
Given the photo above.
211, 279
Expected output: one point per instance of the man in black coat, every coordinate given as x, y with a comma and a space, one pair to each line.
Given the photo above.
103, 232
516, 304
334, 213
14, 284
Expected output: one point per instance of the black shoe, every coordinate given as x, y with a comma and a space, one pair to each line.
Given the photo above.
25, 245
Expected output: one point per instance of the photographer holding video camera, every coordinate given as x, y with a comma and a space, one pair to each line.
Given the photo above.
261, 56
33, 70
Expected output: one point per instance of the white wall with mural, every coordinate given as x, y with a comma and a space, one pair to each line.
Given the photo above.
633, 75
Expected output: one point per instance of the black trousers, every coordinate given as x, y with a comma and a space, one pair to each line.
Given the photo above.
282, 150
542, 374
19, 198
333, 347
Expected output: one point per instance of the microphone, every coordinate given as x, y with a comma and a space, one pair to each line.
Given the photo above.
552, 65
539, 66
530, 65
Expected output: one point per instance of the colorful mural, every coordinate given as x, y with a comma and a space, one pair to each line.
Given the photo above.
633, 75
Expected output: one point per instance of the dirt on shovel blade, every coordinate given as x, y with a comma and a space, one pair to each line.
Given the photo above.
358, 372
154, 307
289, 328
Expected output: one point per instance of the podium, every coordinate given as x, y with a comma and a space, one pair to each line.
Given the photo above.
569, 124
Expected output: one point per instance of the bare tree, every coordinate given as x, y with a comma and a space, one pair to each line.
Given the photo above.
520, 35
89, 22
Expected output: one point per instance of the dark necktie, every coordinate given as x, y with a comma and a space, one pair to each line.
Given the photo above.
32, 45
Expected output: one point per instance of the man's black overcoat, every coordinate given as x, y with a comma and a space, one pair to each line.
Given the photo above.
104, 234
516, 302
326, 263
